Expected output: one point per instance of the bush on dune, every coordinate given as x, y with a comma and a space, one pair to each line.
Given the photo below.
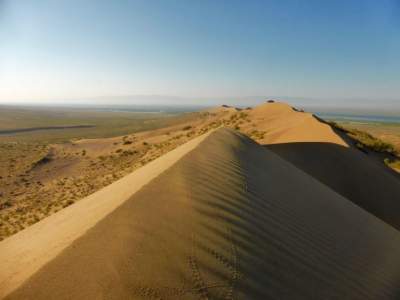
394, 164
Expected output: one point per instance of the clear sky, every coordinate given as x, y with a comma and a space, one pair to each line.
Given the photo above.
55, 49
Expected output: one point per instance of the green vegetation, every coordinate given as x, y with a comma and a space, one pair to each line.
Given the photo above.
387, 132
366, 140
371, 142
256, 134
392, 163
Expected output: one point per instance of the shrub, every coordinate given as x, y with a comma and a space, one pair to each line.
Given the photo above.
365, 140
5, 204
187, 127
371, 142
68, 203
392, 163
242, 115
127, 152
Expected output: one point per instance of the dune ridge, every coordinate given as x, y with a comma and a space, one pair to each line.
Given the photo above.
229, 220
284, 124
329, 156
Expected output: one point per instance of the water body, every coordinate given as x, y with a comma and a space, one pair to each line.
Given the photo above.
358, 118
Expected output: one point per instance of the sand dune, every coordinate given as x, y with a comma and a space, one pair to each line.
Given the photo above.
27, 251
314, 147
230, 220
351, 173
283, 124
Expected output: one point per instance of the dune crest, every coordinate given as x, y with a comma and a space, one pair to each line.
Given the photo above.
283, 124
230, 220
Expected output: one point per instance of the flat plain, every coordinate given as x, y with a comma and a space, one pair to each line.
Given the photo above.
44, 170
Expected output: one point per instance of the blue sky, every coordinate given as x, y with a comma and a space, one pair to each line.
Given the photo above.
53, 49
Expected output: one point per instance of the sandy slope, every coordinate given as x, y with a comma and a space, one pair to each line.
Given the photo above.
24, 253
231, 220
283, 124
351, 173
315, 148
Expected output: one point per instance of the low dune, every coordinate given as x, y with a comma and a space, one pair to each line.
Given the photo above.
230, 220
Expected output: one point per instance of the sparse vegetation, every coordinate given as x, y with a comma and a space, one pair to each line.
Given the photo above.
243, 115
43, 172
128, 152
393, 163
371, 142
257, 134
364, 140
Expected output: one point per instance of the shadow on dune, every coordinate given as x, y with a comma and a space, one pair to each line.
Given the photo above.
373, 155
349, 172
231, 220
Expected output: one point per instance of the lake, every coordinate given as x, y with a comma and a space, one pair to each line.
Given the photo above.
358, 118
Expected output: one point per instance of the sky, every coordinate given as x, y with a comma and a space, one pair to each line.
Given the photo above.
55, 51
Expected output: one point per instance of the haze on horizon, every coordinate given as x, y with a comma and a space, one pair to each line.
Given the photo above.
200, 52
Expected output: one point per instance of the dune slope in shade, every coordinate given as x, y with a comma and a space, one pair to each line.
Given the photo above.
231, 220
349, 172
